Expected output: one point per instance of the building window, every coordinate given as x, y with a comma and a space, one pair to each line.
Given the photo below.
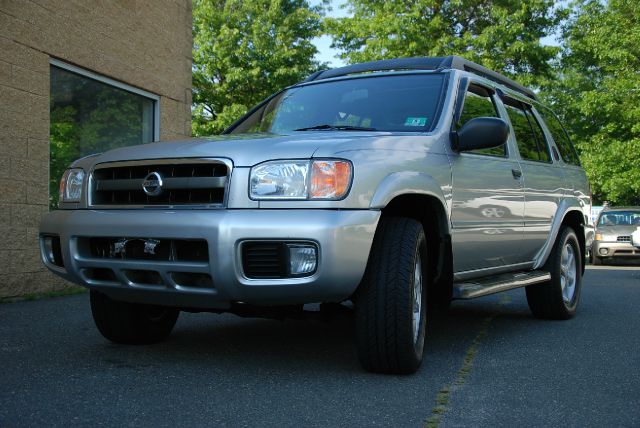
92, 114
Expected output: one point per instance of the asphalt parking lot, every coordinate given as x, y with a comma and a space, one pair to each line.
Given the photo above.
489, 363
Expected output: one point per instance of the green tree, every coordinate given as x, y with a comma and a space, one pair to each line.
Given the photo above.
503, 35
598, 95
243, 51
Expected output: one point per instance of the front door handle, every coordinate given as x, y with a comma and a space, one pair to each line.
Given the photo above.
516, 173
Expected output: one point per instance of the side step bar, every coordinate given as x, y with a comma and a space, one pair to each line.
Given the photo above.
495, 284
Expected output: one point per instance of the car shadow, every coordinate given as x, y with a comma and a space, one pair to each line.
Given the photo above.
290, 346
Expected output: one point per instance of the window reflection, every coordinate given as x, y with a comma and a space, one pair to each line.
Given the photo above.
88, 116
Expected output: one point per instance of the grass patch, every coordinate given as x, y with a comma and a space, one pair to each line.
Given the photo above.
472, 351
444, 395
432, 422
442, 399
71, 291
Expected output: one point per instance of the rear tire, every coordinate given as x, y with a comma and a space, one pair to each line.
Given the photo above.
391, 300
558, 298
131, 323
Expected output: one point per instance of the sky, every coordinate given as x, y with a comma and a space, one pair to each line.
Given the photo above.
325, 52
328, 55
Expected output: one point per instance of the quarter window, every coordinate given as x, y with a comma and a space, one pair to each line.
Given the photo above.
527, 130
567, 151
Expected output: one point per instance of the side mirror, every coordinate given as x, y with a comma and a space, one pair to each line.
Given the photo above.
480, 133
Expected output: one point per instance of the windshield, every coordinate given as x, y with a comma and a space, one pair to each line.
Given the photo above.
620, 218
382, 103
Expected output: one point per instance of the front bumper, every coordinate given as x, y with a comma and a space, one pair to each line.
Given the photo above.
610, 250
343, 238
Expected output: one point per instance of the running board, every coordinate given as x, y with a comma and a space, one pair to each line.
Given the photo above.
495, 284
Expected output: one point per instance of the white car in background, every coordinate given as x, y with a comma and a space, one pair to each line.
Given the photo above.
617, 235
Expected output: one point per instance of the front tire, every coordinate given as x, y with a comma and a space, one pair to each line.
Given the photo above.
391, 300
558, 298
131, 323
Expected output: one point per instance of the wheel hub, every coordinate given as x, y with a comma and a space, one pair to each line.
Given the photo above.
568, 273
417, 299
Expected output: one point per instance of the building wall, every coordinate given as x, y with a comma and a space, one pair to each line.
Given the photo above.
145, 44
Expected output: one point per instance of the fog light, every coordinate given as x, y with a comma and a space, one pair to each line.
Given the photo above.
603, 251
52, 251
303, 259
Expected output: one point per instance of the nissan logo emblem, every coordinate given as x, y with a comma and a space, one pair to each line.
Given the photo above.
152, 184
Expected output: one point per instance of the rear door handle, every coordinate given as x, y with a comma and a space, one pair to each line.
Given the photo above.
516, 173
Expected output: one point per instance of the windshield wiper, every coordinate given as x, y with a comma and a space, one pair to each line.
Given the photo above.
335, 128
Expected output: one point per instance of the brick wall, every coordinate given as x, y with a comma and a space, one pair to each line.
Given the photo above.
145, 44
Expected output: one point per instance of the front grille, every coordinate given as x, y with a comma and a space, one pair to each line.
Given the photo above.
264, 260
190, 183
624, 238
161, 249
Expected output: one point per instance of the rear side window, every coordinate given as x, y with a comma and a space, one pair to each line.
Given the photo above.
567, 151
478, 103
527, 130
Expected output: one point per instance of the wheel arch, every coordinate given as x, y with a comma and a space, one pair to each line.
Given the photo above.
431, 213
573, 217
409, 183
575, 220
419, 196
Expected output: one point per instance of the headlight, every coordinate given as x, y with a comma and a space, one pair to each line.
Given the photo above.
280, 180
71, 185
605, 237
300, 180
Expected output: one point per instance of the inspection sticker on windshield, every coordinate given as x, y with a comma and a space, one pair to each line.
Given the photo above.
415, 121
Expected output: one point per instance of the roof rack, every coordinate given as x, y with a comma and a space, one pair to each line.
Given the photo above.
424, 63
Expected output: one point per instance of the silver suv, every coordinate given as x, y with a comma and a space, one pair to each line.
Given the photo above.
396, 185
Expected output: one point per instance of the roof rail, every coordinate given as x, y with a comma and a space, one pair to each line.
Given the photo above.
424, 63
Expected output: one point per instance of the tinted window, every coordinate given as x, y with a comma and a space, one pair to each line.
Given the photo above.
385, 103
478, 103
527, 131
567, 151
543, 146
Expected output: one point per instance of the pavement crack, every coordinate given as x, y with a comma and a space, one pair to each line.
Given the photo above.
444, 394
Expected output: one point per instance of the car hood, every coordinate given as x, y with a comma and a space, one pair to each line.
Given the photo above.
248, 149
616, 230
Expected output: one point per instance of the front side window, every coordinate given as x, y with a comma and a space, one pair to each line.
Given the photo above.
89, 116
377, 103
529, 135
478, 103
